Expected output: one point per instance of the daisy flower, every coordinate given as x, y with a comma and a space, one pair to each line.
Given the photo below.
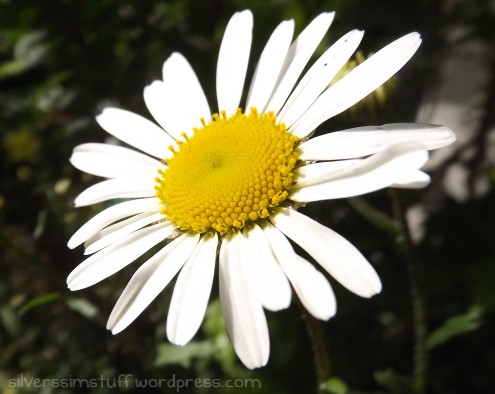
227, 186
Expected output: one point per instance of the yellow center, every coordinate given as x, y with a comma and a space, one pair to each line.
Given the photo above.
232, 171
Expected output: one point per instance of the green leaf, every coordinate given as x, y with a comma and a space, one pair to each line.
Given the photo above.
39, 301
214, 328
335, 386
29, 51
168, 354
31, 48
455, 326
83, 306
214, 325
11, 68
395, 382
10, 320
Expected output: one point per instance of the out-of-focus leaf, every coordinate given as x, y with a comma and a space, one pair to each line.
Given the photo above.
456, 325
83, 306
395, 382
28, 52
22, 145
40, 223
214, 328
183, 355
31, 48
335, 386
10, 320
56, 97
11, 68
213, 325
40, 300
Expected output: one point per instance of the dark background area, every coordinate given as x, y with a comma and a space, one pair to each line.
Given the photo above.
62, 62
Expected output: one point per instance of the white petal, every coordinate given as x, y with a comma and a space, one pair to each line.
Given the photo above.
364, 141
233, 60
315, 173
136, 131
112, 259
119, 230
318, 77
269, 66
262, 271
116, 188
192, 291
360, 82
412, 180
298, 56
333, 252
243, 313
157, 100
188, 95
376, 172
178, 103
112, 161
149, 281
111, 215
311, 287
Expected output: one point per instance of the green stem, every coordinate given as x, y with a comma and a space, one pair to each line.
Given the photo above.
373, 215
318, 345
418, 307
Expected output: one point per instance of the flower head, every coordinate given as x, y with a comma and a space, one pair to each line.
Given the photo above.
227, 186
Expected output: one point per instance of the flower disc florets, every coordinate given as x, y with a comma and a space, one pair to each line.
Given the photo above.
232, 171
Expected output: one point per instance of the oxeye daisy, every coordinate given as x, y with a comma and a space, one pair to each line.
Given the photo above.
225, 185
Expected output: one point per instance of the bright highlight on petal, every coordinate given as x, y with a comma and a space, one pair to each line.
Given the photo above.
202, 187
115, 188
311, 287
187, 307
319, 76
111, 161
111, 215
136, 131
178, 102
265, 276
333, 252
360, 82
365, 176
242, 311
412, 180
269, 66
112, 259
149, 281
297, 57
342, 145
113, 233
233, 61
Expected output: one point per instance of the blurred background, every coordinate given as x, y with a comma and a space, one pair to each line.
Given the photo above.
63, 61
